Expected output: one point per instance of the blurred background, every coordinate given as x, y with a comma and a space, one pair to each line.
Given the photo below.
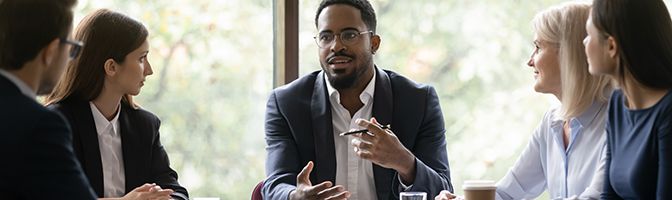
213, 72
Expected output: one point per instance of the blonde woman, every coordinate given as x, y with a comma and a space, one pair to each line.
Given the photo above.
565, 154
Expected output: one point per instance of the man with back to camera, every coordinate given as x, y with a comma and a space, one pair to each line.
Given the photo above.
308, 159
38, 162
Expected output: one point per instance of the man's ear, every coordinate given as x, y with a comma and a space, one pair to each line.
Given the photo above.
50, 52
375, 43
110, 67
612, 47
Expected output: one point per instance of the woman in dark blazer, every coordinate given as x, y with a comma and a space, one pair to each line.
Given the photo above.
115, 140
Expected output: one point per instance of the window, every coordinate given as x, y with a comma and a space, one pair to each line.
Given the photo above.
213, 73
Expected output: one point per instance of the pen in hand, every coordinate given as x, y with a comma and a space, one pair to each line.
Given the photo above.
384, 127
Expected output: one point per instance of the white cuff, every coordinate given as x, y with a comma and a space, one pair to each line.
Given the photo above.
403, 186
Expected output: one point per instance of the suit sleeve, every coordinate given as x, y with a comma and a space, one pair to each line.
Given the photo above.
281, 162
165, 176
432, 173
50, 169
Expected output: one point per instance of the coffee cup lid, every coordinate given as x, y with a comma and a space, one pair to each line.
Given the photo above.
479, 185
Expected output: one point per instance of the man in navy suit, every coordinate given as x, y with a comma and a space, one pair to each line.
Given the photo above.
38, 161
308, 159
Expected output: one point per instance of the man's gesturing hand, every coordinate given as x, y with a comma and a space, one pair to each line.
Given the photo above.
305, 189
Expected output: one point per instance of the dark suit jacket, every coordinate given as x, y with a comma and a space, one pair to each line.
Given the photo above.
145, 160
38, 161
299, 129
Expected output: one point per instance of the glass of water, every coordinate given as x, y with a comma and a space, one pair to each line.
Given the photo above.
413, 196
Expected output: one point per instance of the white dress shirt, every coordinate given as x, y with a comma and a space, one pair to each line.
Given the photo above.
352, 172
576, 172
109, 143
23, 87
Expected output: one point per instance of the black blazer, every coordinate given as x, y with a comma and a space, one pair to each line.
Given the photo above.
145, 160
38, 161
299, 129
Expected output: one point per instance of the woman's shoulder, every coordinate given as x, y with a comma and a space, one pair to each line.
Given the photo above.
139, 113
664, 108
616, 98
552, 114
550, 119
666, 102
67, 108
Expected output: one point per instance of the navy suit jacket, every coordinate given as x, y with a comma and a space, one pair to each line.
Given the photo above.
38, 161
299, 129
145, 159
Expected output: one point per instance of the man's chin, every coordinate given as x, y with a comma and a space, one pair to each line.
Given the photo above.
342, 82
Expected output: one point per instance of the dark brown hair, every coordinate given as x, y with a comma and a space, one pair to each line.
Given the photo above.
643, 32
27, 26
106, 34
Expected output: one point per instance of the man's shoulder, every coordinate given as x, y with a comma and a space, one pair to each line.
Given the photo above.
302, 86
22, 118
20, 109
400, 82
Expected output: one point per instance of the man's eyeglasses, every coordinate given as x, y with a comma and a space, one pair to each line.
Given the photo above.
348, 37
76, 47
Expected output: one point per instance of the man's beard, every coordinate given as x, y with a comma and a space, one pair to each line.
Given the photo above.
349, 80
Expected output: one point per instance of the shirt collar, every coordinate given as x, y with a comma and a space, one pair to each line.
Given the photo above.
23, 87
588, 116
366, 95
102, 123
585, 119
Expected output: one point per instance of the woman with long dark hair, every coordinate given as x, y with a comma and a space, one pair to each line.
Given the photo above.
631, 41
115, 140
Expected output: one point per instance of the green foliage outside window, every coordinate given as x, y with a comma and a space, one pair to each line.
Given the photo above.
213, 64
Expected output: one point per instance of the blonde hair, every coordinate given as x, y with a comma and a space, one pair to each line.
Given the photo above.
564, 25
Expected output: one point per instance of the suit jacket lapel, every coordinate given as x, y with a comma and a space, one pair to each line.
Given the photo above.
128, 144
382, 111
86, 127
325, 153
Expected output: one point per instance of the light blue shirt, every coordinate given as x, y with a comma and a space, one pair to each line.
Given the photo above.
577, 172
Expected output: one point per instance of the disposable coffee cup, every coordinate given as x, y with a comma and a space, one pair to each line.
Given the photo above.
479, 190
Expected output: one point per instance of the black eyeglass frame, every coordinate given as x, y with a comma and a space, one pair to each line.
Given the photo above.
76, 47
339, 36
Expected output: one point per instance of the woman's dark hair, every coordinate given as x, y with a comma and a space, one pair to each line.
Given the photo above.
106, 34
643, 32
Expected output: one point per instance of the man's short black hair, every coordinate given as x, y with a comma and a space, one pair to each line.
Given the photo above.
364, 7
27, 26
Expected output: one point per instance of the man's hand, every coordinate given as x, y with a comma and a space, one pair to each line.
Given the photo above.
148, 192
305, 190
383, 148
445, 195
